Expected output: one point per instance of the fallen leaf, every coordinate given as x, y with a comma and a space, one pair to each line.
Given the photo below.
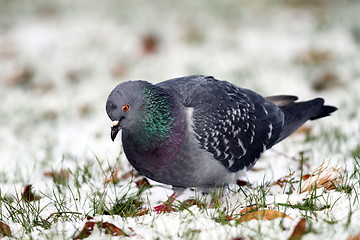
5, 230
306, 176
60, 177
327, 80
241, 183
299, 230
28, 195
141, 183
110, 229
250, 209
141, 212
324, 176
150, 44
84, 110
355, 237
19, 76
86, 230
265, 214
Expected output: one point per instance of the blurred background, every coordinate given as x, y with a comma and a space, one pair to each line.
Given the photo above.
59, 60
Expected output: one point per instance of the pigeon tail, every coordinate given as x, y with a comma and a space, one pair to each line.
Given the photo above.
297, 113
325, 111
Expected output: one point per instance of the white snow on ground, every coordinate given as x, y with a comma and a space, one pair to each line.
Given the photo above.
59, 61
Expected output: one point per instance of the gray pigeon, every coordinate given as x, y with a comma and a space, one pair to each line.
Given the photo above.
197, 131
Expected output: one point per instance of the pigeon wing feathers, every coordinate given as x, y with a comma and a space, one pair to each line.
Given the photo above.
234, 124
282, 100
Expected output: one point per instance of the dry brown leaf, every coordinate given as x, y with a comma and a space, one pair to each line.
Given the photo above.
142, 183
60, 177
299, 230
84, 110
19, 76
355, 237
250, 209
142, 212
306, 176
326, 81
28, 195
150, 44
5, 230
86, 230
230, 218
109, 228
265, 214
241, 183
324, 176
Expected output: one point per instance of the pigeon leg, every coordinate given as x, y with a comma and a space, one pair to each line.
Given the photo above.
167, 206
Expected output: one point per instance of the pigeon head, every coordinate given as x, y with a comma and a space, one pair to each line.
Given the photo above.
145, 111
123, 105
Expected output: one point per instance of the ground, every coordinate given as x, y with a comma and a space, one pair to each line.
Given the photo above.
59, 61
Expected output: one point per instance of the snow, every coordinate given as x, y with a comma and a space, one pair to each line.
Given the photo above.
59, 61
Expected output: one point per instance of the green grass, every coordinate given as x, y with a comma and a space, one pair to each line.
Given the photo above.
64, 201
68, 203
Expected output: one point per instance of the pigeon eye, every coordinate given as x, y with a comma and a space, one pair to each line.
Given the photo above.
125, 108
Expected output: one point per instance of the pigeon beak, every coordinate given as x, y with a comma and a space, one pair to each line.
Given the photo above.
115, 128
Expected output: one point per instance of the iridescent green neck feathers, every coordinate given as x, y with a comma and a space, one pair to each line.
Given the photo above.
157, 117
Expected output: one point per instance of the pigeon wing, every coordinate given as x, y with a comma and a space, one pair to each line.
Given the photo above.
234, 124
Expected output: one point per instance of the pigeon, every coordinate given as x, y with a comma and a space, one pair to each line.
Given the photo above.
197, 131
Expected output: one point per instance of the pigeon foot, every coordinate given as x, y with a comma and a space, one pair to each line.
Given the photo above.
167, 206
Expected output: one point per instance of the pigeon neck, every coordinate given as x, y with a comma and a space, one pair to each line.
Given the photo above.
162, 121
